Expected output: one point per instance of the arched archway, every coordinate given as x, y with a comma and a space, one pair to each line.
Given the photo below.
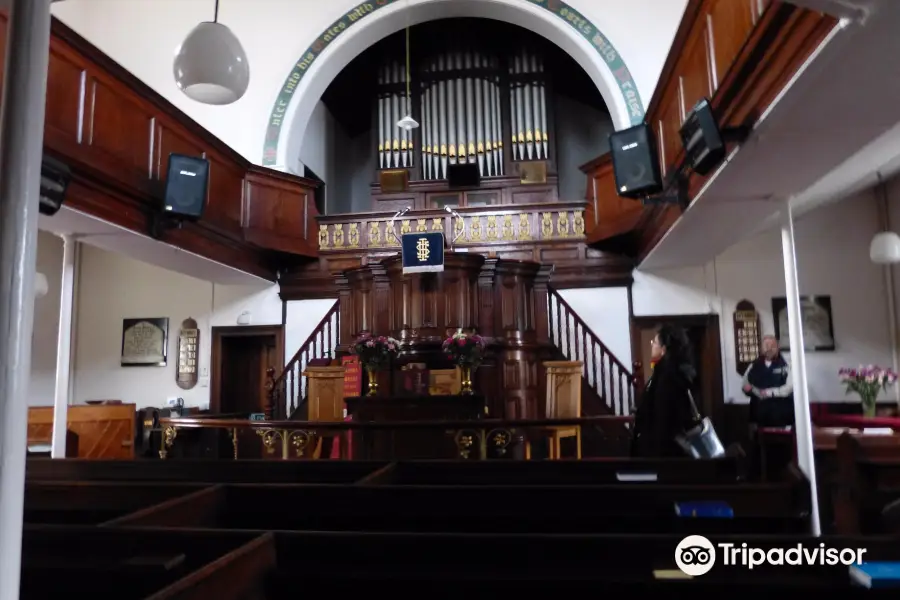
371, 21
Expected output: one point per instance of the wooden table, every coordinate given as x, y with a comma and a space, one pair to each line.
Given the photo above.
409, 443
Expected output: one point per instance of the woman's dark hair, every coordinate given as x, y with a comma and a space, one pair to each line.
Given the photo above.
678, 347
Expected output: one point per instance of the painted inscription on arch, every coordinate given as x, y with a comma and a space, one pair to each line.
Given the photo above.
561, 9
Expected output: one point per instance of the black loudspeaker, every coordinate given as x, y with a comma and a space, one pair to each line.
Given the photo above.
186, 186
635, 162
55, 176
465, 175
703, 144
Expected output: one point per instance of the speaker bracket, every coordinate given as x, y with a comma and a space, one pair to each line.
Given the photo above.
678, 198
737, 134
160, 222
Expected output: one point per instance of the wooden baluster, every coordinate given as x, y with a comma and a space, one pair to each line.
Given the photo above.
621, 378
603, 377
584, 337
328, 337
595, 368
575, 337
568, 350
638, 383
270, 392
559, 326
550, 301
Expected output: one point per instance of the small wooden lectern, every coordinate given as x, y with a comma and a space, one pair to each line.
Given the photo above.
563, 402
325, 403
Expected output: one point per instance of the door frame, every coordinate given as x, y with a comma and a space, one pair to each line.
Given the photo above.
712, 382
217, 335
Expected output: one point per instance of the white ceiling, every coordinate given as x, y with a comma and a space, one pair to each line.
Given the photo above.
830, 134
107, 236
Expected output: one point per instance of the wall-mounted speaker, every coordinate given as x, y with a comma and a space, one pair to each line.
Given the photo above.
187, 181
463, 176
702, 140
55, 177
635, 162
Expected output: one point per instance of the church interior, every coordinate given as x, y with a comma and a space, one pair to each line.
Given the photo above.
336, 296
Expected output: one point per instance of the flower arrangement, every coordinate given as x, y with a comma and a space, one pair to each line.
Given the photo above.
867, 381
464, 349
375, 352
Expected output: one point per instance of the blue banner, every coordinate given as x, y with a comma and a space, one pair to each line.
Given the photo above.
423, 252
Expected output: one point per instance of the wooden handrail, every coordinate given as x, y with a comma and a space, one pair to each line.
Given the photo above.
287, 391
605, 374
199, 423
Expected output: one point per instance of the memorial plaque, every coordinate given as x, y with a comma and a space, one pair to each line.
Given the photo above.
188, 348
145, 342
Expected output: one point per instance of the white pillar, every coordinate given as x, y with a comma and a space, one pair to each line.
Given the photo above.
21, 149
64, 346
802, 419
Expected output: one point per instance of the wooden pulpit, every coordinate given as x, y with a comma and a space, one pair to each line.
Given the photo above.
325, 399
563, 401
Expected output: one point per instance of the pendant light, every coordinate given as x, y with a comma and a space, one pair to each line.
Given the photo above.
407, 122
210, 65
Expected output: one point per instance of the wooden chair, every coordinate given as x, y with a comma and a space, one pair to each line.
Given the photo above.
325, 392
563, 401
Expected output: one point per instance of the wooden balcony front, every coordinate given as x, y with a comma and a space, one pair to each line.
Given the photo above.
115, 133
738, 53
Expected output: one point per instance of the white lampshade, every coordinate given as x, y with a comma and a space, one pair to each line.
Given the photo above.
885, 248
211, 66
407, 123
41, 287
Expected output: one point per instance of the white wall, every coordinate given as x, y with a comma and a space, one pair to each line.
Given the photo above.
42, 386
142, 35
113, 287
832, 258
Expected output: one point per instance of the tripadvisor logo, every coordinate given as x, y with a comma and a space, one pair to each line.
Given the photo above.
695, 555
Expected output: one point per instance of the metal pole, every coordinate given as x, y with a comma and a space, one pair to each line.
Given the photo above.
802, 419
21, 147
64, 347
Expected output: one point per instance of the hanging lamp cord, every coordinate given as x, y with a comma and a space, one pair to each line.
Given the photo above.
216, 13
407, 63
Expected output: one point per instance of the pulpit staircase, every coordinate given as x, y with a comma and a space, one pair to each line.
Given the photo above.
608, 386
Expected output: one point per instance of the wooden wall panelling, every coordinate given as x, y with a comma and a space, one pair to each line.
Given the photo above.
116, 134
105, 431
740, 54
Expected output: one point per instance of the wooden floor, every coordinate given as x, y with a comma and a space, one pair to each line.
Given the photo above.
264, 529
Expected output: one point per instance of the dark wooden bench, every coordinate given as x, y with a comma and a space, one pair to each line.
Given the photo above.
95, 503
621, 508
867, 480
130, 563
97, 562
562, 473
205, 471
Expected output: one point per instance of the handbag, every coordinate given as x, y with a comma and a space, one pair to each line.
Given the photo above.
701, 440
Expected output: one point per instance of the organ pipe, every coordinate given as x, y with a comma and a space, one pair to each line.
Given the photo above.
395, 145
460, 108
528, 106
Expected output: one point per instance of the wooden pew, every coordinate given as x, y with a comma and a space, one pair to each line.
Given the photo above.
204, 471
867, 480
564, 473
94, 503
97, 562
621, 508
343, 563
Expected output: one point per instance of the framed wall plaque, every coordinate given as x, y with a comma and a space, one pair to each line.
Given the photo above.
747, 337
145, 342
816, 319
188, 345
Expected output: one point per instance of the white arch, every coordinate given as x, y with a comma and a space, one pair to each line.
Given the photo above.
394, 17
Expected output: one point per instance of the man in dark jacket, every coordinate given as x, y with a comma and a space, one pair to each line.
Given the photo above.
768, 383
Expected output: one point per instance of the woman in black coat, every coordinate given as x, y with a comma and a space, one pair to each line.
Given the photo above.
665, 411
